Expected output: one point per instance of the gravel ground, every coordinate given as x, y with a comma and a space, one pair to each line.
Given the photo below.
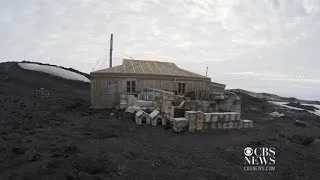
60, 137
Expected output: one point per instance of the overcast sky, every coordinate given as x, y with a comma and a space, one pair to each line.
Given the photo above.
259, 45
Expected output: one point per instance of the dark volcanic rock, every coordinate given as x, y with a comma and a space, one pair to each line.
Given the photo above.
2, 147
71, 149
256, 143
282, 135
303, 140
94, 164
33, 155
86, 176
18, 150
307, 141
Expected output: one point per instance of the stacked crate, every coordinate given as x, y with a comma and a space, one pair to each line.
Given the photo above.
167, 107
199, 105
193, 106
123, 101
187, 103
228, 120
158, 99
207, 121
191, 116
131, 99
212, 107
179, 124
247, 123
199, 121
205, 106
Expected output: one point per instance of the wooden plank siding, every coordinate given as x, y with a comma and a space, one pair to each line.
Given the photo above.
100, 98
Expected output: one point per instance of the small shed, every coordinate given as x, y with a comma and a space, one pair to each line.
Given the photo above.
156, 118
133, 75
142, 118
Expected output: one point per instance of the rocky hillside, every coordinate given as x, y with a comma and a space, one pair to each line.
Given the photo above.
273, 97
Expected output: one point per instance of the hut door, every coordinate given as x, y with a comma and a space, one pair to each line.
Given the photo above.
112, 95
112, 86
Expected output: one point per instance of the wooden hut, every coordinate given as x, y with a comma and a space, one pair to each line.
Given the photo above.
134, 75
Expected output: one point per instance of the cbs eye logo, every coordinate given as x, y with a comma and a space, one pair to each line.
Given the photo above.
248, 151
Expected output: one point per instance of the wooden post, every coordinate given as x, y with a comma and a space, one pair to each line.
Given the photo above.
207, 72
111, 48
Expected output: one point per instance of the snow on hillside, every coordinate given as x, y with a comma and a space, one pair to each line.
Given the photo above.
283, 104
56, 71
317, 112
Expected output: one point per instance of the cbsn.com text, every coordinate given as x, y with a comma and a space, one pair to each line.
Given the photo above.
259, 168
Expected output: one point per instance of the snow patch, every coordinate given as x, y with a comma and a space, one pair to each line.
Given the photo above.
276, 114
283, 104
317, 112
56, 71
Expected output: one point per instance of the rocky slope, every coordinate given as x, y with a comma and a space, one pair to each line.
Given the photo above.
273, 97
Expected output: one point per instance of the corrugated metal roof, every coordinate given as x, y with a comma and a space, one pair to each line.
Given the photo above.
148, 67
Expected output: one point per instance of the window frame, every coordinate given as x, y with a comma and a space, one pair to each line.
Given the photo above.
131, 86
181, 88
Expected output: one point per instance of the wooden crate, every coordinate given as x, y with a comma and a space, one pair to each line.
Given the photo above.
200, 125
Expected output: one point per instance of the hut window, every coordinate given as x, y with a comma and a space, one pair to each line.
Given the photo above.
182, 88
131, 86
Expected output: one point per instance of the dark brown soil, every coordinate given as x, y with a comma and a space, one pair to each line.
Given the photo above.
61, 138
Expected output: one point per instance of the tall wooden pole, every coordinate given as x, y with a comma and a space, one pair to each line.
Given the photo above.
207, 72
111, 48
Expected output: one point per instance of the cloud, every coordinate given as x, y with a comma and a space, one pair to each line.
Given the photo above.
269, 36
295, 78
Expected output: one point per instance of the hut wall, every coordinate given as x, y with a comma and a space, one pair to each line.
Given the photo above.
105, 91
